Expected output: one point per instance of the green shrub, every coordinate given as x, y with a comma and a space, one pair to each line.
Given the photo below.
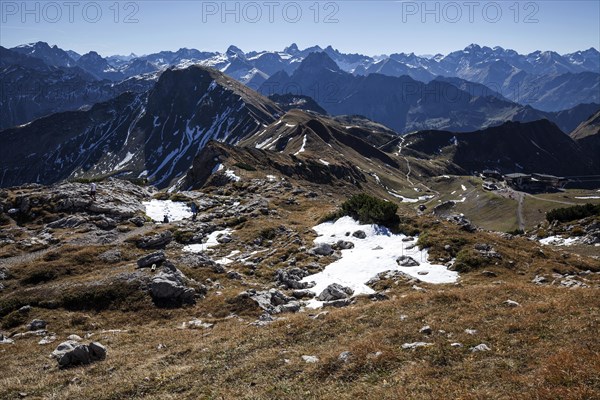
369, 210
468, 260
573, 213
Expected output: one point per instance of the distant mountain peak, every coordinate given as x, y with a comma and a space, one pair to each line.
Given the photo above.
233, 51
292, 49
318, 61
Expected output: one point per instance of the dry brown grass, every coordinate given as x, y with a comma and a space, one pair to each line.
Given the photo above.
547, 348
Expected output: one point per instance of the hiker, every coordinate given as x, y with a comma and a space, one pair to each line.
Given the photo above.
93, 191
194, 211
166, 219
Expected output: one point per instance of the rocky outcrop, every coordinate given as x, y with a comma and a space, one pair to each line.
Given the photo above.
158, 241
272, 301
335, 291
71, 353
290, 278
171, 287
153, 258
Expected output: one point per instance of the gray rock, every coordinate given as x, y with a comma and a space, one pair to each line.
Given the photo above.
415, 345
196, 324
47, 339
322, 249
138, 221
272, 301
303, 294
290, 278
157, 241
72, 221
36, 325
105, 223
345, 356
426, 330
170, 286
71, 353
338, 303
359, 234
407, 261
153, 258
378, 296
25, 309
335, 291
480, 347
511, 303
539, 280
343, 245
234, 275
310, 359
225, 238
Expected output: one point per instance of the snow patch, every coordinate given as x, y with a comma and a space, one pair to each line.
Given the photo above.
176, 211
370, 256
232, 176
211, 241
301, 148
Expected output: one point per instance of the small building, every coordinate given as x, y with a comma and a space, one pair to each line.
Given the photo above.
535, 182
492, 174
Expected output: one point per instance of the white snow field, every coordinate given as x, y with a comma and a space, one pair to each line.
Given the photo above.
370, 256
176, 211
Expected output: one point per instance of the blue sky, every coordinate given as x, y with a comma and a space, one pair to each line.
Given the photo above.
367, 27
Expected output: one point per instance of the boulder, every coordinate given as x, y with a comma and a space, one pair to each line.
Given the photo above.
36, 325
338, 303
138, 221
72, 221
169, 287
322, 249
158, 241
360, 234
335, 291
225, 238
71, 353
303, 294
105, 223
272, 301
480, 347
343, 245
407, 261
153, 258
290, 278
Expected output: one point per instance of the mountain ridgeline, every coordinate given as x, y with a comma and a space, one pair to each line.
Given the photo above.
154, 135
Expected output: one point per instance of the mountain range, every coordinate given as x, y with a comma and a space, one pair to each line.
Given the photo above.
544, 80
313, 118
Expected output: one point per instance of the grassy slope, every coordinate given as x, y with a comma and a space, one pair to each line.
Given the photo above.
547, 348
